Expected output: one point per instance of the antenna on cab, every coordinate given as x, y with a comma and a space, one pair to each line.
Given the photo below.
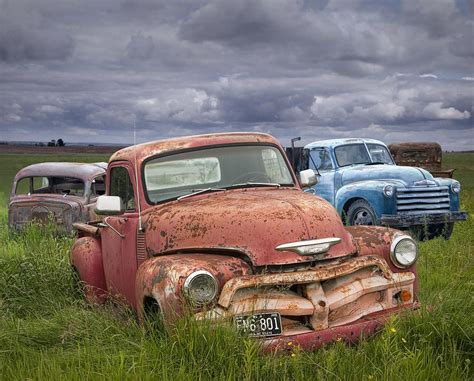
140, 227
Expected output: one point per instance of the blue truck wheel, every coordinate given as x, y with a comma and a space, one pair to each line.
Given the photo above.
361, 213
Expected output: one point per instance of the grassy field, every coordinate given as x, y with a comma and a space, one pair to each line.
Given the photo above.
47, 332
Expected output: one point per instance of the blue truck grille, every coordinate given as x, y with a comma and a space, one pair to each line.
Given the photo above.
423, 200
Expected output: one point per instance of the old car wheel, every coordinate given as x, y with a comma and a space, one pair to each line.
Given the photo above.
360, 213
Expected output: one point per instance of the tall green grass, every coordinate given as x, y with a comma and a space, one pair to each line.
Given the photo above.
47, 332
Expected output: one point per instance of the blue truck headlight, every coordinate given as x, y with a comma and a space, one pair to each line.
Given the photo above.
388, 190
200, 287
456, 187
403, 251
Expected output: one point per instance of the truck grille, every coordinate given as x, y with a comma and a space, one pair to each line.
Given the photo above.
423, 200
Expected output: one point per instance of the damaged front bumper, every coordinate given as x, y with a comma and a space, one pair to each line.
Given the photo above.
339, 301
405, 220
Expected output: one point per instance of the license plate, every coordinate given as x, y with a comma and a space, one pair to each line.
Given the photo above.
259, 325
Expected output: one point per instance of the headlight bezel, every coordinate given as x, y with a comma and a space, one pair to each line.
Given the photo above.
456, 187
187, 288
393, 252
388, 190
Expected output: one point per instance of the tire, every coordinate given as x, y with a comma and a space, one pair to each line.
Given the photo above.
360, 213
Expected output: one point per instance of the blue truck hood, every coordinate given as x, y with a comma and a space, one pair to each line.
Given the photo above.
408, 176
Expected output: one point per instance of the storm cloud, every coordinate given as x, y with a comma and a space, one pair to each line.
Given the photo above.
396, 70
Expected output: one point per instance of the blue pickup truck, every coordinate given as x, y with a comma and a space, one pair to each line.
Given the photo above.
360, 178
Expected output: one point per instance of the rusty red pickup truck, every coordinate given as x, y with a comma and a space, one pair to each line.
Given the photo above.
219, 225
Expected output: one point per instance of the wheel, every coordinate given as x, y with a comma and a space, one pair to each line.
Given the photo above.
360, 213
252, 176
425, 233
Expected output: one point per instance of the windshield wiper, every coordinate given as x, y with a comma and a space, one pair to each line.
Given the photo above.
376, 162
251, 184
195, 192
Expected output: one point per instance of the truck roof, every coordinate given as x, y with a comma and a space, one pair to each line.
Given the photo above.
142, 151
338, 142
84, 171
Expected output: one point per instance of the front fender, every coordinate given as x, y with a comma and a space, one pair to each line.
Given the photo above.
86, 258
370, 191
376, 241
162, 278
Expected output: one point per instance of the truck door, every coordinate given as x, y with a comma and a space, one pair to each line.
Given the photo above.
320, 159
119, 235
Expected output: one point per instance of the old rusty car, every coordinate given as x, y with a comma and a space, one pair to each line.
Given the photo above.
219, 224
360, 178
63, 193
424, 155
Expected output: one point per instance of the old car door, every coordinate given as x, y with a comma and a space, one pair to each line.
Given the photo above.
119, 235
320, 159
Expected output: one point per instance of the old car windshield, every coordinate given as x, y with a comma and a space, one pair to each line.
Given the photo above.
50, 185
350, 154
219, 168
379, 154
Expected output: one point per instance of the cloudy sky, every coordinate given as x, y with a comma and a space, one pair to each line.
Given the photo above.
395, 70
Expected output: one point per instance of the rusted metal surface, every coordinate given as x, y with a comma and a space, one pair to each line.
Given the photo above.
233, 235
143, 151
351, 333
86, 258
51, 204
320, 274
162, 278
220, 222
424, 155
86, 228
330, 296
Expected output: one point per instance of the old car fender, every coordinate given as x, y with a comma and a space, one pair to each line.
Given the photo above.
370, 191
160, 279
86, 258
376, 241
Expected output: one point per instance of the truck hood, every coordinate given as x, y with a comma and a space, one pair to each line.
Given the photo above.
250, 222
407, 176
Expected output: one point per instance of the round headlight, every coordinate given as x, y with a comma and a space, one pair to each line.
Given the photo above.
200, 287
456, 187
403, 251
388, 190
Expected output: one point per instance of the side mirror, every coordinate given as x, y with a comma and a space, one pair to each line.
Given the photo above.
108, 205
308, 178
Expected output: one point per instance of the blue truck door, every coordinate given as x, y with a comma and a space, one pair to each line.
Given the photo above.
320, 159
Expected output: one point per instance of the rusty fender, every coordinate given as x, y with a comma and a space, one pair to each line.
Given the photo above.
163, 277
376, 240
86, 258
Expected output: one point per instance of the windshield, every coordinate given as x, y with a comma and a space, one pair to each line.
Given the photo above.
177, 175
47, 185
350, 154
